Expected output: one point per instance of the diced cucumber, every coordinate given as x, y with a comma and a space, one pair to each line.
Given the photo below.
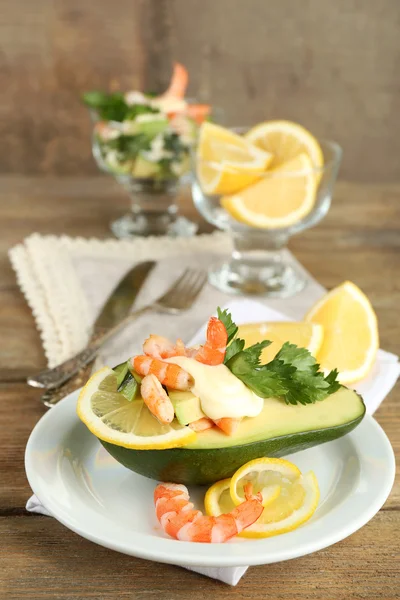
121, 372
151, 128
129, 387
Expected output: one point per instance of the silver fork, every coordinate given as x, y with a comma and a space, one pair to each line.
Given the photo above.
179, 297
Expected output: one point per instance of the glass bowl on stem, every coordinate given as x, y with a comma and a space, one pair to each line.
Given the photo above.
154, 190
260, 264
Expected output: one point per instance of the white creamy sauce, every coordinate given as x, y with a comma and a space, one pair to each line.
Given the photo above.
157, 151
221, 393
135, 97
169, 104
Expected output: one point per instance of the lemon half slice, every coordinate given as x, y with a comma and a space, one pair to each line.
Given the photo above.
114, 419
226, 161
279, 199
285, 140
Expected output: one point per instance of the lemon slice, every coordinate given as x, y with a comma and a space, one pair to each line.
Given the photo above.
114, 419
263, 473
218, 501
292, 502
304, 335
351, 338
279, 199
285, 140
281, 516
227, 162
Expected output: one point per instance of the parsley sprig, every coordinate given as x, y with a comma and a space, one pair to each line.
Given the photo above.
293, 374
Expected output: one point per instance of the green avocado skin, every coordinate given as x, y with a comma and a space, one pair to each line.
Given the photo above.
206, 466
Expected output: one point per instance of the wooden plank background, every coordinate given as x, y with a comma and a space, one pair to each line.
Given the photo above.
333, 66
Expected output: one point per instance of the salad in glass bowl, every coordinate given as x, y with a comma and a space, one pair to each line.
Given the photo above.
145, 141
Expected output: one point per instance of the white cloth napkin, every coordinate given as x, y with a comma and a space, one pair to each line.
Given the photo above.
66, 281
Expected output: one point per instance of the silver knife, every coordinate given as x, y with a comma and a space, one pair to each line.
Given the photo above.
112, 318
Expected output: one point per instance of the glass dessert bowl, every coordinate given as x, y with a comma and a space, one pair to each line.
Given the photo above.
261, 201
145, 141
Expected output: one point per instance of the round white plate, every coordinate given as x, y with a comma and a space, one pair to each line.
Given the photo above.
84, 488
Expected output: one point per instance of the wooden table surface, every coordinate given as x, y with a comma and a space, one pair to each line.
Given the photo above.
359, 240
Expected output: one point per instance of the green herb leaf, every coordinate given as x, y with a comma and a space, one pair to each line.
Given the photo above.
129, 146
234, 347
230, 326
140, 109
109, 107
262, 381
297, 357
254, 352
293, 374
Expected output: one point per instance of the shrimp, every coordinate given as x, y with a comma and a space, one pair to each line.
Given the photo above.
168, 374
160, 347
182, 521
157, 399
198, 112
213, 351
227, 424
178, 83
201, 424
105, 131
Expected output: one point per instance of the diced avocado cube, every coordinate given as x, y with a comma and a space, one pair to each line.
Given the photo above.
187, 406
143, 169
115, 164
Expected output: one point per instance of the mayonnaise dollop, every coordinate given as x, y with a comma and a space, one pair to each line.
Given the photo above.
221, 393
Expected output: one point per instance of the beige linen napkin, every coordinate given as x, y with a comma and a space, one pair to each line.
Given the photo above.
66, 281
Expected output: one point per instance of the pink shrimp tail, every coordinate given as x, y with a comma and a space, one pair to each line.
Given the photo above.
213, 351
179, 82
248, 493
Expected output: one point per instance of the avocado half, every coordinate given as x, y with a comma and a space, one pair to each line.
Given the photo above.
280, 429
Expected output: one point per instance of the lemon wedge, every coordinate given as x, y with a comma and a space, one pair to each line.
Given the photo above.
304, 335
114, 419
226, 161
285, 140
351, 337
282, 197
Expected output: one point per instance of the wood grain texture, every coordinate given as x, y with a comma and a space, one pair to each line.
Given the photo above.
332, 66
358, 240
57, 564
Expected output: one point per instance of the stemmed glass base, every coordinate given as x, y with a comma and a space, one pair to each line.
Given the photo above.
154, 210
263, 282
259, 267
130, 226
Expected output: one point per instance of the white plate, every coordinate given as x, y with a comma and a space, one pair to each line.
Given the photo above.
89, 492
